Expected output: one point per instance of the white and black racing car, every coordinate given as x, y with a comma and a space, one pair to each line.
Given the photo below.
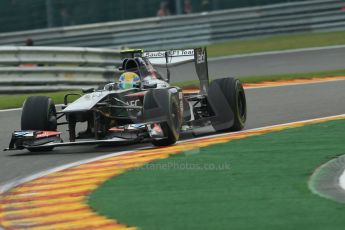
139, 106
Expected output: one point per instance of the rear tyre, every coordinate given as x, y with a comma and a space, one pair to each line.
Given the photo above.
233, 91
39, 113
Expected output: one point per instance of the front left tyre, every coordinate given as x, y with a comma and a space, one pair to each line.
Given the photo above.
39, 113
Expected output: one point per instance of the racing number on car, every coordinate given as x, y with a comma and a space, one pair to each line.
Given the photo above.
200, 56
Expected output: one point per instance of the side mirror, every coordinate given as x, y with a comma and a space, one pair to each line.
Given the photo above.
150, 86
90, 90
111, 86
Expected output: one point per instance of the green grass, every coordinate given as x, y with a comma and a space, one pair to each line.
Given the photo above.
255, 79
264, 188
8, 101
274, 43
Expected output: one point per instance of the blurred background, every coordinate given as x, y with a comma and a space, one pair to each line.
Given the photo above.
17, 15
40, 33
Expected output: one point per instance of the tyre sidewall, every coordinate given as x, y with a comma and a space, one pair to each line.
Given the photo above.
233, 92
36, 114
240, 116
169, 104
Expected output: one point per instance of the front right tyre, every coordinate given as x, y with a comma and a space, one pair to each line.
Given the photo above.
163, 103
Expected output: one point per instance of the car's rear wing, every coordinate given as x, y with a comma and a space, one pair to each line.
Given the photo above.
171, 58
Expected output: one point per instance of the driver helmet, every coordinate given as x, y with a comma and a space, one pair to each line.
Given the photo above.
129, 80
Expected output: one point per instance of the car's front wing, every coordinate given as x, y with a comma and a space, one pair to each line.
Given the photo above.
118, 136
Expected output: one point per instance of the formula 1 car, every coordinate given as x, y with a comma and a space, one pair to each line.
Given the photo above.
140, 106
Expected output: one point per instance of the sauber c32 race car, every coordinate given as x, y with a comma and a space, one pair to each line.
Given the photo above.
140, 106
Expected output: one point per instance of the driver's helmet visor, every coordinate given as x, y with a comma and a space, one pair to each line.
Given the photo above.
129, 80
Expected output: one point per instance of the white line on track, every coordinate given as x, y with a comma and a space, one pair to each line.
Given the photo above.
18, 109
265, 127
341, 181
277, 52
9, 185
10, 110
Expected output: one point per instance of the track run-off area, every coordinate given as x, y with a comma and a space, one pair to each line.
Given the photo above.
58, 199
39, 192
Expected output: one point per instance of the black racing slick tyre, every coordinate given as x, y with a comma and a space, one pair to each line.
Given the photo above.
168, 104
233, 92
39, 113
171, 130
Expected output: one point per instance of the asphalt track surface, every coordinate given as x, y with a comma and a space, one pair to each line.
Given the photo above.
292, 61
268, 63
266, 106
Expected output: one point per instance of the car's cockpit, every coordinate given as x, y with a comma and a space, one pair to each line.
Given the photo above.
140, 66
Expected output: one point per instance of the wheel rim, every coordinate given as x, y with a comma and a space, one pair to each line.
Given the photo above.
174, 115
242, 105
52, 118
